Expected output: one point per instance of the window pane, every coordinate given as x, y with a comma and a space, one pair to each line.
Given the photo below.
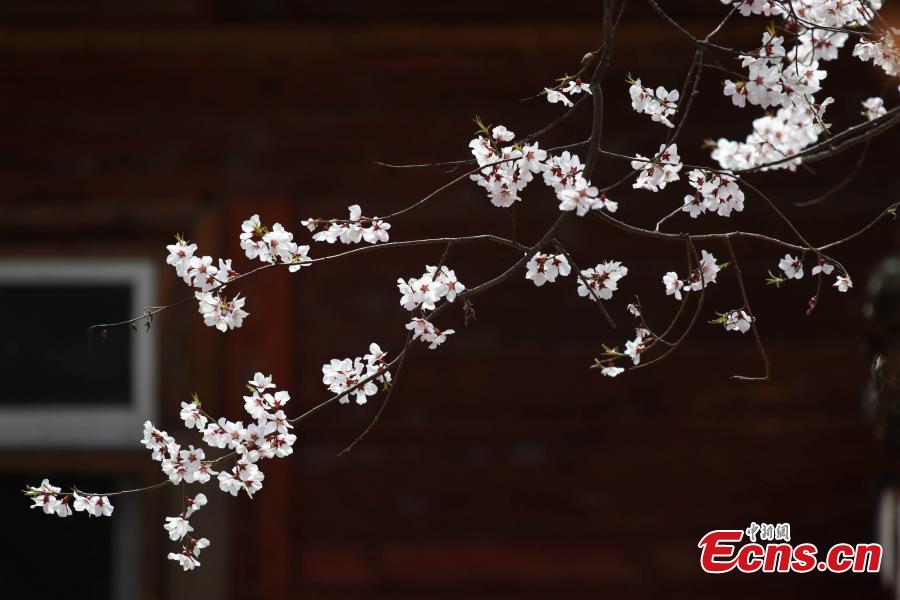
45, 343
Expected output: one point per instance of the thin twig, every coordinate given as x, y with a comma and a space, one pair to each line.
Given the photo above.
753, 324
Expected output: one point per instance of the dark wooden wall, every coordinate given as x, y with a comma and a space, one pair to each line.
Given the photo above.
503, 467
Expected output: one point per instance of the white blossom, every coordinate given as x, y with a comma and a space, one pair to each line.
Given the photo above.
502, 134
199, 545
45, 497
203, 473
251, 240
192, 416
202, 273
823, 267
792, 267
185, 559
156, 440
737, 91
873, 108
178, 527
707, 273
180, 254
532, 158
843, 283
261, 382
673, 284
634, 348
611, 370
738, 320
577, 86
224, 272
554, 96
99, 506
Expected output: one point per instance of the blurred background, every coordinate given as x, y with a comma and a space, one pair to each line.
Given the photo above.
503, 466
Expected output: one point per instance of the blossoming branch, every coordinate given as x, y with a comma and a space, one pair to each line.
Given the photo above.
783, 76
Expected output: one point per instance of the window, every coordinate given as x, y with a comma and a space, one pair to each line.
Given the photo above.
64, 387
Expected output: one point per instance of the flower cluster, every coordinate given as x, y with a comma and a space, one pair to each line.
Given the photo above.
715, 192
583, 197
423, 294
562, 171
426, 291
218, 310
272, 246
546, 267
358, 376
221, 312
782, 76
267, 435
789, 77
882, 52
426, 331
572, 87
660, 105
180, 528
355, 229
564, 174
772, 80
45, 497
506, 170
697, 280
774, 138
198, 271
600, 282
656, 172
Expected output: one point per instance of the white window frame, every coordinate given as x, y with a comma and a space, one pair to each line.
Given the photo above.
88, 426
